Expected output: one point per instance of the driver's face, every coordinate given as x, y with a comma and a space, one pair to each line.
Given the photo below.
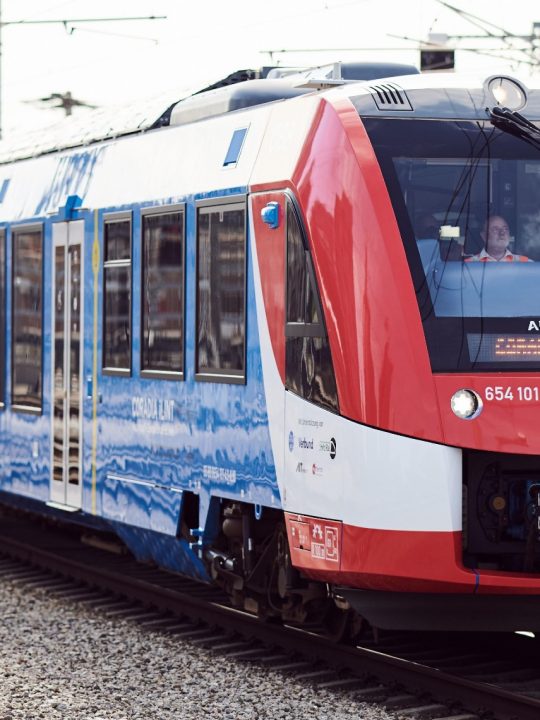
497, 235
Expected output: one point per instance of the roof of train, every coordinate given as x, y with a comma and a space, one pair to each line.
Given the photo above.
418, 94
79, 131
239, 90
449, 96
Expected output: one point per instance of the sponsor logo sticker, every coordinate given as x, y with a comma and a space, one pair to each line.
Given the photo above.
328, 446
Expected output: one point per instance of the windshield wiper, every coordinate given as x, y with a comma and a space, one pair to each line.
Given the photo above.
513, 122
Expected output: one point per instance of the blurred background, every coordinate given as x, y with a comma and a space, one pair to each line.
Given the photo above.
61, 58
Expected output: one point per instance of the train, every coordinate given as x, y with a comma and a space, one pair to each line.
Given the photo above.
247, 335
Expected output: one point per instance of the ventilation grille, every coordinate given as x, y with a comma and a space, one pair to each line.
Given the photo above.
389, 96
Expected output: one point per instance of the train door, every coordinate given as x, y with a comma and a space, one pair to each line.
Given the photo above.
66, 480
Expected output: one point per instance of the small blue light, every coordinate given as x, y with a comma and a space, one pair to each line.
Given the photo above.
270, 215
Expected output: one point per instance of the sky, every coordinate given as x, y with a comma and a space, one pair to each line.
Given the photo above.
115, 63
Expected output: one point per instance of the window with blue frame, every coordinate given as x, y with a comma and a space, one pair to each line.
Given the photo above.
27, 323
162, 293
221, 291
117, 293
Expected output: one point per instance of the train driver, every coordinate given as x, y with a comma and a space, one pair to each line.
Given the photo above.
496, 237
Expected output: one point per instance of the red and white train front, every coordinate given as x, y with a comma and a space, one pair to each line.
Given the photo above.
411, 478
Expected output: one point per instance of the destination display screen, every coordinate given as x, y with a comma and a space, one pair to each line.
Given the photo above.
497, 347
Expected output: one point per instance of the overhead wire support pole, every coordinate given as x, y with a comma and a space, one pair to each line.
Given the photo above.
503, 35
66, 22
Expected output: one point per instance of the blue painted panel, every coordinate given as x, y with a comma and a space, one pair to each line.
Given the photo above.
142, 504
210, 438
126, 501
173, 553
165, 510
72, 177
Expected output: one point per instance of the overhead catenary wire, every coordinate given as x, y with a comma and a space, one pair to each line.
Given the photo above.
503, 34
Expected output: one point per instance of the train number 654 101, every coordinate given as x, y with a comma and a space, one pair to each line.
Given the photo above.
524, 393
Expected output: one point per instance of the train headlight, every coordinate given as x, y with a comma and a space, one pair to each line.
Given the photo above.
466, 404
507, 92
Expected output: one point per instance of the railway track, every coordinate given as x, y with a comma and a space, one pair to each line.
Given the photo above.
419, 676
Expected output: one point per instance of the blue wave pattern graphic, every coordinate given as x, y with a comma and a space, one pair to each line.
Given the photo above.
72, 176
155, 438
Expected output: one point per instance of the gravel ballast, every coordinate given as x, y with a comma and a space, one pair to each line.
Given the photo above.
62, 660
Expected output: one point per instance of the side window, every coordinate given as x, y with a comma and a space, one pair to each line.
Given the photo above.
117, 294
2, 317
162, 293
308, 363
27, 325
221, 292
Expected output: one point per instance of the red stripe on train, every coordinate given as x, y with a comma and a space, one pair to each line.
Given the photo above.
392, 560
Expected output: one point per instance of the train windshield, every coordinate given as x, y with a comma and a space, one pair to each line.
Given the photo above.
467, 199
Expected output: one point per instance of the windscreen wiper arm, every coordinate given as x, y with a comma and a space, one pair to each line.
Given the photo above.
516, 124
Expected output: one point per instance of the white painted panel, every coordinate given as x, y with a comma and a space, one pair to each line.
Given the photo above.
376, 480
162, 164
284, 139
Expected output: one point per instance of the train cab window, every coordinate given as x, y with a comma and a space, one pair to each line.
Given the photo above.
221, 292
466, 196
117, 294
309, 369
27, 322
2, 316
162, 293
